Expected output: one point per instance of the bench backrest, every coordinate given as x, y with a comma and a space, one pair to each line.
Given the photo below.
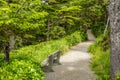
52, 58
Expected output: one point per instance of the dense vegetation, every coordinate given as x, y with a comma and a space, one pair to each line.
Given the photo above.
25, 62
100, 61
35, 21
100, 50
40, 27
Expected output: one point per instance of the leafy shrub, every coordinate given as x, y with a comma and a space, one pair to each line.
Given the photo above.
25, 62
98, 29
103, 41
75, 38
57, 32
23, 70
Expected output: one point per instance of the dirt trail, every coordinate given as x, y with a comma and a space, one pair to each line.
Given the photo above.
74, 64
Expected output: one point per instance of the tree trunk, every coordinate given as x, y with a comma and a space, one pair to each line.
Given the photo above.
12, 42
48, 30
114, 15
9, 1
6, 52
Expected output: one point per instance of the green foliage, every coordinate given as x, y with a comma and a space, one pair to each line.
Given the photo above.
23, 70
103, 41
98, 29
92, 12
21, 17
62, 15
57, 32
25, 62
37, 19
100, 50
100, 61
101, 64
74, 38
32, 21
117, 77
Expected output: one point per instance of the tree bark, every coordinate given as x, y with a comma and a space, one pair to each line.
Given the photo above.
114, 15
6, 52
12, 42
48, 30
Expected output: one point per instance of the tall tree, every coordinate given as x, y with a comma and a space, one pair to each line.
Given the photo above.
18, 18
61, 18
114, 14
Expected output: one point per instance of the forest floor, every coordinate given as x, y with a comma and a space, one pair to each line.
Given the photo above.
75, 65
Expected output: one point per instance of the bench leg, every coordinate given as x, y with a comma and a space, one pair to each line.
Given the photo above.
58, 59
50, 61
47, 69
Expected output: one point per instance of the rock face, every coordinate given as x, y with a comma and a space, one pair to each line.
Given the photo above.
114, 15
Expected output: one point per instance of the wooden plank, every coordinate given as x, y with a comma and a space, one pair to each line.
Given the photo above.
56, 53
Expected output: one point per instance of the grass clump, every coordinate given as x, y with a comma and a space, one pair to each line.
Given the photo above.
25, 63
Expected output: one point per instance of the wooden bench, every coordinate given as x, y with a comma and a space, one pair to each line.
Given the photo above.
50, 61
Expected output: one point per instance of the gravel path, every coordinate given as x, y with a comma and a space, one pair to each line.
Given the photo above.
74, 64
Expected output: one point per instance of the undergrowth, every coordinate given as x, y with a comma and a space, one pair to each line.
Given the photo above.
98, 29
100, 61
25, 63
